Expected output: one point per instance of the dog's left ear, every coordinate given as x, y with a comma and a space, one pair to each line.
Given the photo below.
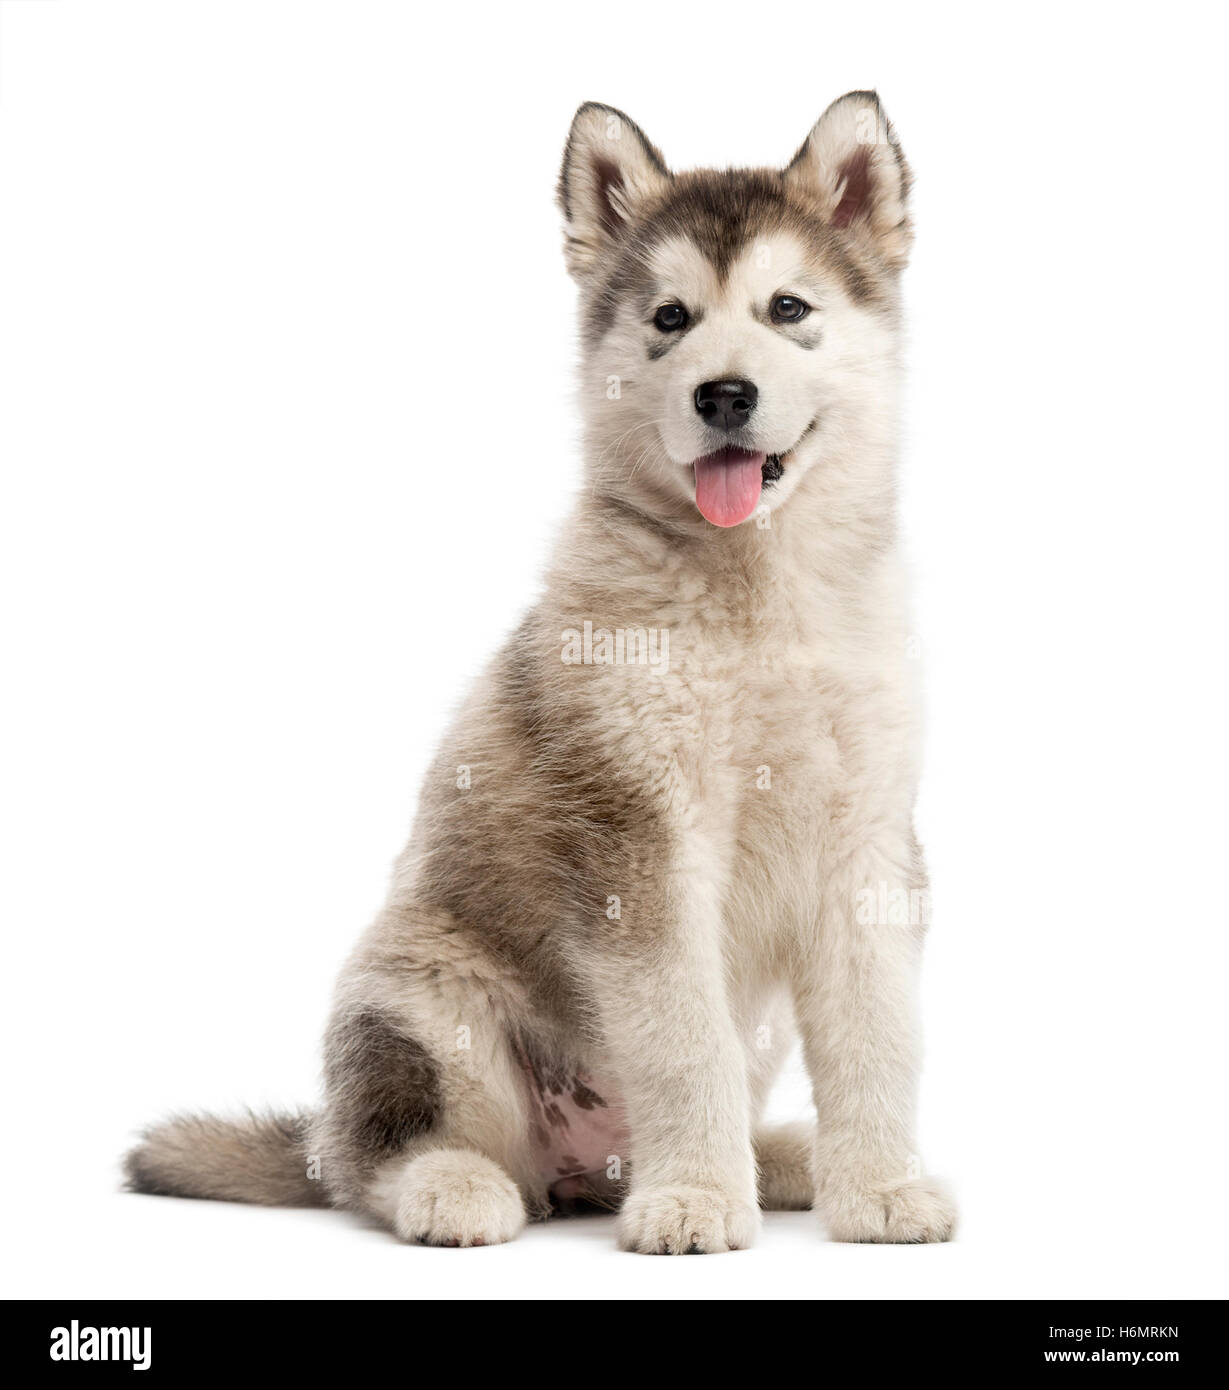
851, 162
610, 171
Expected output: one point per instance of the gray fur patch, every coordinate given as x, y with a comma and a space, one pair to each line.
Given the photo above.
383, 1087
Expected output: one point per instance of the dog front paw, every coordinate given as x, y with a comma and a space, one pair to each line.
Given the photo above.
912, 1211
686, 1221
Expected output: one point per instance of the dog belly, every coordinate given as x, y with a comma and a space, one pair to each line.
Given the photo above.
581, 1141
579, 1129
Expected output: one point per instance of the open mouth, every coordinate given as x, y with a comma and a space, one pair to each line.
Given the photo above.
729, 482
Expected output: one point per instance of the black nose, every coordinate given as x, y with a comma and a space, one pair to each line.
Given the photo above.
726, 404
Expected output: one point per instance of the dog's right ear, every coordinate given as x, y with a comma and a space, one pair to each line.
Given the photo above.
610, 171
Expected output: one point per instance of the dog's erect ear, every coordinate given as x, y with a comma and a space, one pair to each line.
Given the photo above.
610, 171
853, 165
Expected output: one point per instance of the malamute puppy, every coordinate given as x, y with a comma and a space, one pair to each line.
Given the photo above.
673, 824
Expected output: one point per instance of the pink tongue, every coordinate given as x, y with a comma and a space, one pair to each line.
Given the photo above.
728, 485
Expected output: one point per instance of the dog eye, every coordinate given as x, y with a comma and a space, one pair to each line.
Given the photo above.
788, 308
670, 318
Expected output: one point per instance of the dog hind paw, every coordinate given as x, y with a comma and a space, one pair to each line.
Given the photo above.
459, 1198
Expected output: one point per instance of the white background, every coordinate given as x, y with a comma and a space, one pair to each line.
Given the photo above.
286, 352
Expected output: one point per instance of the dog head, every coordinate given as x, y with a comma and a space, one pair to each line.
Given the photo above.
739, 326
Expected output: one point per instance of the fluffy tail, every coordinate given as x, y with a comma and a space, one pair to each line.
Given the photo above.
262, 1158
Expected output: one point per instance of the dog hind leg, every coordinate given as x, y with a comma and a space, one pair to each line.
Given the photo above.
426, 1124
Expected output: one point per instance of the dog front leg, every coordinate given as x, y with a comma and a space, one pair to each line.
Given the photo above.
660, 994
856, 1009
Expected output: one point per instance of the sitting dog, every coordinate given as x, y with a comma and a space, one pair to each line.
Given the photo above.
672, 828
